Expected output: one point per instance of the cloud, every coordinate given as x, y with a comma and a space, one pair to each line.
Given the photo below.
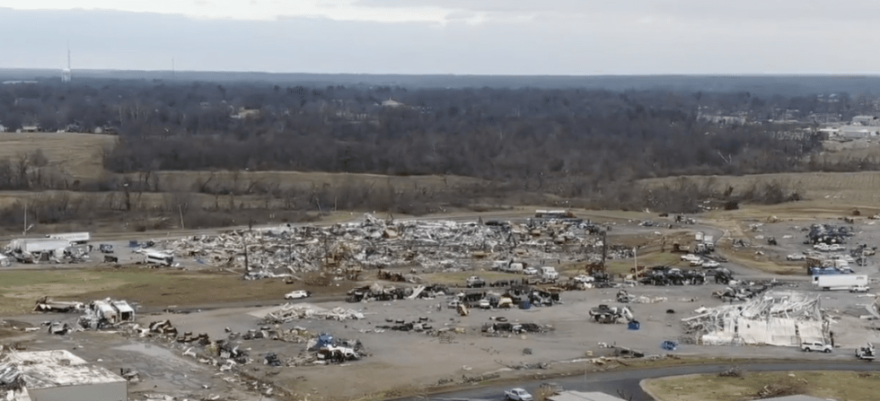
509, 37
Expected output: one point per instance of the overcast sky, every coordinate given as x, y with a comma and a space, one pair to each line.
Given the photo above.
534, 37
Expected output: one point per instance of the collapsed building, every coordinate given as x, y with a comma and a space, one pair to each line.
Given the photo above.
779, 318
58, 376
828, 234
375, 243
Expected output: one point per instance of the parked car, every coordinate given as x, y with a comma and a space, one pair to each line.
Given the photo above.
583, 278
485, 304
298, 294
105, 248
796, 257
475, 281
816, 346
669, 345
711, 264
531, 271
517, 394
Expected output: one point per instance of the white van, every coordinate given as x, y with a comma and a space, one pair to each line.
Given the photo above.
158, 258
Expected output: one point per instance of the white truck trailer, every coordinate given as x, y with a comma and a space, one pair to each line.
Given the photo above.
76, 238
839, 281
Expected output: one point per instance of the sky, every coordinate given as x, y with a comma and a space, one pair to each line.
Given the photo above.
486, 37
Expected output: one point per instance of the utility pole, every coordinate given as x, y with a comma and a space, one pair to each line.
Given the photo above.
604, 248
24, 232
180, 211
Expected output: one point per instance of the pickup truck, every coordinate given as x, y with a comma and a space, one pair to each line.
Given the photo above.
859, 288
475, 282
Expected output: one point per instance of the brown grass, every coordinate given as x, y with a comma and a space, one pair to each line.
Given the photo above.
74, 155
849, 386
157, 288
830, 188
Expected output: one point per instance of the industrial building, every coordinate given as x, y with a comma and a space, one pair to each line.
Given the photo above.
62, 376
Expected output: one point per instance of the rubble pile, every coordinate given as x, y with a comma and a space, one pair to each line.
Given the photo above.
374, 243
291, 312
828, 234
779, 318
514, 328
46, 304
422, 324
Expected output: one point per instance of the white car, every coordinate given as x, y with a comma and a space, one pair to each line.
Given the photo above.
485, 304
517, 394
530, 271
710, 264
689, 257
795, 257
298, 294
583, 278
815, 346
859, 288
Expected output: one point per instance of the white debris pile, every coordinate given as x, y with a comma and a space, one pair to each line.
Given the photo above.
372, 243
291, 312
778, 318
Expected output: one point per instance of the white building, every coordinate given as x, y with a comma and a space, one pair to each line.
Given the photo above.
62, 376
865, 121
857, 131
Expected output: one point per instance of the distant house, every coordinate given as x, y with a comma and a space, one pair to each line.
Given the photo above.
865, 121
245, 113
392, 103
30, 128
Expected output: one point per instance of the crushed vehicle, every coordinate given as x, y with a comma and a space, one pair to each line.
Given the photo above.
611, 314
866, 353
105, 248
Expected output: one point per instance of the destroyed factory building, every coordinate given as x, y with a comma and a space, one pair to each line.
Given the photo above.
780, 319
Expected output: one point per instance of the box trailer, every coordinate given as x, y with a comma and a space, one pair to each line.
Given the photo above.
76, 238
34, 245
839, 281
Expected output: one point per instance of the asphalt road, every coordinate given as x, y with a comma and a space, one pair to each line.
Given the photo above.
628, 380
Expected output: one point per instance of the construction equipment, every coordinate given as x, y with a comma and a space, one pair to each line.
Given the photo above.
608, 314
865, 353
771, 241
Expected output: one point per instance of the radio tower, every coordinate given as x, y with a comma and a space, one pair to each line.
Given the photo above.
65, 73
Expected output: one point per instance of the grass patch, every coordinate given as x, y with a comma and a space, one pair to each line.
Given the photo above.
148, 287
850, 386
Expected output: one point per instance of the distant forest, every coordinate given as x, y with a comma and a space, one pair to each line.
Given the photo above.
565, 141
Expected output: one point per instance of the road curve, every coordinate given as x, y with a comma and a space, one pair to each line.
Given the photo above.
627, 380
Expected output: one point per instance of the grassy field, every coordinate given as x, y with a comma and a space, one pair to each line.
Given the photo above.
19, 289
75, 155
850, 386
831, 188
